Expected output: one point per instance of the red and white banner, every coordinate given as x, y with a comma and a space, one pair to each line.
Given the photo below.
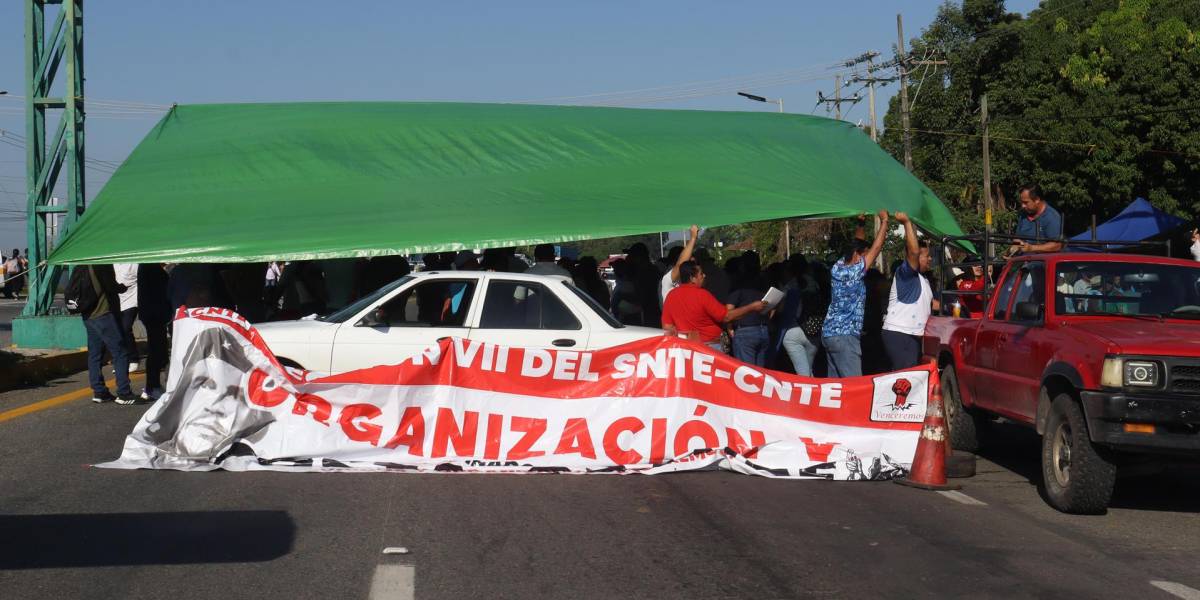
658, 405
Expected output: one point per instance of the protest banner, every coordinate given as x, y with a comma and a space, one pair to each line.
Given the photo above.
658, 405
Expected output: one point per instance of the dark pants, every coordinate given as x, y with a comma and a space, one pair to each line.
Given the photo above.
750, 344
157, 352
903, 350
128, 316
104, 332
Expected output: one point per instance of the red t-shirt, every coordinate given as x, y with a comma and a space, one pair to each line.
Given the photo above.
973, 302
690, 307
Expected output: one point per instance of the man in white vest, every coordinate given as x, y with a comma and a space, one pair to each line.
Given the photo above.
909, 303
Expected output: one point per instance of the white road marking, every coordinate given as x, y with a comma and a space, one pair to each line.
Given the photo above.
393, 582
1177, 589
962, 498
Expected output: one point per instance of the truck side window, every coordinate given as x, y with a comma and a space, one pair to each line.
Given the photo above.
1000, 313
1031, 286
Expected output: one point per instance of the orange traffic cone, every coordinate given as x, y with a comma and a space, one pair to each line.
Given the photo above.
929, 466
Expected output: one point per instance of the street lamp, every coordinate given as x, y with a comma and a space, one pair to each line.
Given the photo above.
787, 225
755, 98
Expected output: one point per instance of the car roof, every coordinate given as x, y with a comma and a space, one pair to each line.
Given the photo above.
1108, 257
451, 274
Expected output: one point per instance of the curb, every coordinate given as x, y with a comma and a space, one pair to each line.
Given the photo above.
41, 370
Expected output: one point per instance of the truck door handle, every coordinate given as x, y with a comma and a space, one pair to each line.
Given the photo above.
564, 342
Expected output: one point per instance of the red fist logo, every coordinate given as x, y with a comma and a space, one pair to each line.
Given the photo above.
901, 388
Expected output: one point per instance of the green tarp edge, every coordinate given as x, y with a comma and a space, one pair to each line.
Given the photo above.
294, 181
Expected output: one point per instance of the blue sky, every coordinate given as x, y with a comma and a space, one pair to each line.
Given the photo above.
187, 51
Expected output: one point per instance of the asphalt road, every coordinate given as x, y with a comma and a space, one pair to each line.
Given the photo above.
68, 530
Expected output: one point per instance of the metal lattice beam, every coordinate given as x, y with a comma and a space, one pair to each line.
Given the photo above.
63, 153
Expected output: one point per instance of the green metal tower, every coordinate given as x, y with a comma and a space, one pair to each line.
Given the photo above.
48, 159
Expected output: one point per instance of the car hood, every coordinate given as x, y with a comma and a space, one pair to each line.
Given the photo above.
292, 331
1146, 337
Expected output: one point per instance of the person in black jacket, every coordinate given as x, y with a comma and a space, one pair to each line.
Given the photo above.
104, 332
154, 308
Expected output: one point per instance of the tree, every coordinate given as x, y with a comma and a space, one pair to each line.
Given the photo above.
1092, 100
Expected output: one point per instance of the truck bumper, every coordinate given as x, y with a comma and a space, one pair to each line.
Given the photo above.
1176, 421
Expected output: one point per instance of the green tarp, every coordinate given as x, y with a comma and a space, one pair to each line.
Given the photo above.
252, 182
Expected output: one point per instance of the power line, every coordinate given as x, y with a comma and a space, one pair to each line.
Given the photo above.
1083, 146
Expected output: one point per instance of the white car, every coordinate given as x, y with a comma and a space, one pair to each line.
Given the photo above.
414, 312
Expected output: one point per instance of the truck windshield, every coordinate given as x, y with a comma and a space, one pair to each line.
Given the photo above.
1136, 289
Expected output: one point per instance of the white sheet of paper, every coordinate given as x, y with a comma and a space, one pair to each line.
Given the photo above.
773, 298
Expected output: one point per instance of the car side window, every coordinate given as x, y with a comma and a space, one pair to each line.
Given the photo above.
434, 303
1000, 313
524, 305
1030, 288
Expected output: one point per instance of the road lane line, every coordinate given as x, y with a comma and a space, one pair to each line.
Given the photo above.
1177, 589
962, 498
21, 411
393, 582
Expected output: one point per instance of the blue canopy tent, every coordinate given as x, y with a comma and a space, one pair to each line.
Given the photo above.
1139, 221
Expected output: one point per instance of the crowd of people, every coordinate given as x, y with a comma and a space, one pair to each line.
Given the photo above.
826, 318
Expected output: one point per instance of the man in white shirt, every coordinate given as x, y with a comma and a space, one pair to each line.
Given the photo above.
1195, 244
677, 256
127, 276
910, 302
544, 255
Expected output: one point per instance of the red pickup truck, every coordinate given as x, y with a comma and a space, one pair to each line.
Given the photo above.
1099, 352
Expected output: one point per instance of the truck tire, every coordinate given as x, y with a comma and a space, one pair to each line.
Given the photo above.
1077, 477
964, 427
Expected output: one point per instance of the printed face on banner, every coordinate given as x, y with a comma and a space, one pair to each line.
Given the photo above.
900, 397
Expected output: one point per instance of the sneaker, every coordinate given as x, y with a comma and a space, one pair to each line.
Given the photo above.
127, 399
133, 367
102, 398
152, 394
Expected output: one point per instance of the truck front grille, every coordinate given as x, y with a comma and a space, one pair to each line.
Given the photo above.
1185, 379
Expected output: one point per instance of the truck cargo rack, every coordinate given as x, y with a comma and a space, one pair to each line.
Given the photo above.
994, 241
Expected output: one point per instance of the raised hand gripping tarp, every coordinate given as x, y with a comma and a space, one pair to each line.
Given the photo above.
255, 182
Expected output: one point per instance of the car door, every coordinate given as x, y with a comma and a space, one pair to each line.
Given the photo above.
529, 314
407, 322
983, 358
1020, 352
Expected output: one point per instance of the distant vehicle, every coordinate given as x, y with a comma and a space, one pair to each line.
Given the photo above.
1099, 352
414, 312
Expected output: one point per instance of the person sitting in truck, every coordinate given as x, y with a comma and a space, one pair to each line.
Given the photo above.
1040, 226
909, 303
972, 281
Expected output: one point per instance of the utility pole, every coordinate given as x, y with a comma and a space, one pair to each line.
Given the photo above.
987, 166
904, 123
871, 94
837, 97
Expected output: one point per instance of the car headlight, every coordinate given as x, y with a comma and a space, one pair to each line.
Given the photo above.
1141, 373
1119, 372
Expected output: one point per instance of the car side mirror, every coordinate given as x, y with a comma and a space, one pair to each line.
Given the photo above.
372, 319
1028, 311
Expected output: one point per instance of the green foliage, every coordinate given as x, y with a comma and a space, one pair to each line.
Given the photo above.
1084, 99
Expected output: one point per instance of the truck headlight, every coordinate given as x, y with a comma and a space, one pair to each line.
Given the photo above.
1113, 373
1141, 373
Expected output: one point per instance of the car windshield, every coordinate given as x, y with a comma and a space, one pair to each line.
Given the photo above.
340, 315
1127, 288
588, 300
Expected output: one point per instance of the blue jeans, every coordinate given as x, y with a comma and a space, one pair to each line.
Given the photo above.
750, 344
105, 332
800, 349
844, 355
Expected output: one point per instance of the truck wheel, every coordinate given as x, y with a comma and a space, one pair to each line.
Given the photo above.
964, 433
1077, 477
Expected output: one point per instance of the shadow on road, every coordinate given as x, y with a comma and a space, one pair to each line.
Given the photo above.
100, 540
1174, 488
